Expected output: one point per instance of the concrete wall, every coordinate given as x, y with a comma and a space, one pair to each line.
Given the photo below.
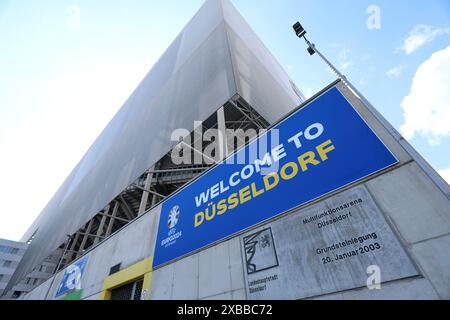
215, 273
415, 207
130, 245
419, 214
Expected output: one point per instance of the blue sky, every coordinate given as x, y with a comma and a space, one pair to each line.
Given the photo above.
66, 67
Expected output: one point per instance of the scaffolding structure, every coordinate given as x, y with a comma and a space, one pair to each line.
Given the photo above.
160, 181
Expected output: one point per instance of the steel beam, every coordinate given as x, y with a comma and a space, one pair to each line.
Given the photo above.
112, 218
85, 238
101, 227
146, 193
127, 210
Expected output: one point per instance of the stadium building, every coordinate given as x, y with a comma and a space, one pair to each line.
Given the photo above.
347, 208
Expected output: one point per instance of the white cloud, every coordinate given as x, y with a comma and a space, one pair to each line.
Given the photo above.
445, 174
73, 21
419, 36
367, 57
344, 61
427, 107
345, 65
395, 72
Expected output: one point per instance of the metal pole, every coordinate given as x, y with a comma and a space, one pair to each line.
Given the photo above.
329, 64
348, 83
423, 164
58, 265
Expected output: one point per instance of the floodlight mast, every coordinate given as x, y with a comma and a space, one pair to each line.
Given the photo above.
312, 49
440, 183
301, 33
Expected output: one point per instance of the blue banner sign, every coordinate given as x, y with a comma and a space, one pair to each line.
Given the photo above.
320, 148
71, 279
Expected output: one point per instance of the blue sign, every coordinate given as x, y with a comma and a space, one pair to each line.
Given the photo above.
320, 148
71, 279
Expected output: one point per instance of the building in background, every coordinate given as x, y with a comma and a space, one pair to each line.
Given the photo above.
123, 203
11, 253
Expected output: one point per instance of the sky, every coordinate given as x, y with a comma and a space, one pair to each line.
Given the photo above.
66, 68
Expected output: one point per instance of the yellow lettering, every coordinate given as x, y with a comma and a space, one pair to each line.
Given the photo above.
211, 216
233, 201
255, 192
267, 184
244, 195
307, 158
324, 149
199, 218
293, 166
222, 206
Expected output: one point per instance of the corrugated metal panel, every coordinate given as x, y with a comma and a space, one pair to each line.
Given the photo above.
260, 79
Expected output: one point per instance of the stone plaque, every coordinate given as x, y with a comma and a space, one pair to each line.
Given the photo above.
341, 243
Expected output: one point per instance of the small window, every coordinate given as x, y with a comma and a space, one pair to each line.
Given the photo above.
14, 250
115, 269
7, 264
131, 291
5, 249
1, 277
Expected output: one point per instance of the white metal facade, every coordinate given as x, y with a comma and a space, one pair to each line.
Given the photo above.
215, 57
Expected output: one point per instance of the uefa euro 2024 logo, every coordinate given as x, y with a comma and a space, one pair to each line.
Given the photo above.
172, 221
174, 216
